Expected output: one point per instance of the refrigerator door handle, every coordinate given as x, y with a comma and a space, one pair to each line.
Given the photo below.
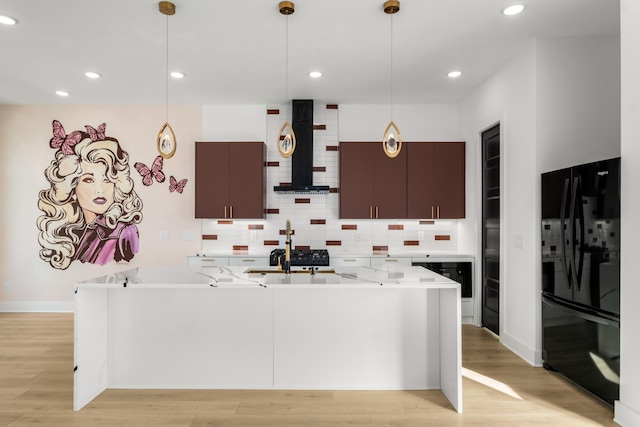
563, 252
591, 316
578, 196
572, 244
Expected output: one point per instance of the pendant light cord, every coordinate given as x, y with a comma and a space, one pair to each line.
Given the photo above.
391, 68
286, 61
166, 111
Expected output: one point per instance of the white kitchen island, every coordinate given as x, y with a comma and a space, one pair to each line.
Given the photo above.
392, 327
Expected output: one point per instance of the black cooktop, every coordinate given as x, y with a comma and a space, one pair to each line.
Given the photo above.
302, 257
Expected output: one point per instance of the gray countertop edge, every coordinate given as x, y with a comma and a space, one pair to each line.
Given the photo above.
397, 277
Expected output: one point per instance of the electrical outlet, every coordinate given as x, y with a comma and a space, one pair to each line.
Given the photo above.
518, 241
164, 235
7, 287
420, 235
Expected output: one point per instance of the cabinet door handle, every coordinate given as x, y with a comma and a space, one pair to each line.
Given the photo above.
432, 212
231, 210
377, 212
225, 211
248, 260
438, 212
390, 260
370, 212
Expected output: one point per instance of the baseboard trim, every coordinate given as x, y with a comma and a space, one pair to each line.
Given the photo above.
624, 415
520, 349
36, 307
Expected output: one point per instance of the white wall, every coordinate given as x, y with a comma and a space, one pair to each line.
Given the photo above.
416, 122
25, 132
627, 409
508, 98
578, 101
234, 123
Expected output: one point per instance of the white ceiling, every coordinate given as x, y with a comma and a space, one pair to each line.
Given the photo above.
233, 51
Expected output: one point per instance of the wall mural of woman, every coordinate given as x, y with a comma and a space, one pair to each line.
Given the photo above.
91, 208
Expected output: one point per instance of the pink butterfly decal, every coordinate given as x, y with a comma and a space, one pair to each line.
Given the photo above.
62, 140
148, 174
96, 134
176, 185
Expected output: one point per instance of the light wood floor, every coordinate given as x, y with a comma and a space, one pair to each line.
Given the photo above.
36, 388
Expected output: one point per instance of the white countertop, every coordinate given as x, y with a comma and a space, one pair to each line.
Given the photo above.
393, 276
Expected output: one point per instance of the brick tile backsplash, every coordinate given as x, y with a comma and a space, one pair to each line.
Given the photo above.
315, 217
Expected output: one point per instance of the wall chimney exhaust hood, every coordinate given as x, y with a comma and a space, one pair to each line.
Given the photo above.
302, 157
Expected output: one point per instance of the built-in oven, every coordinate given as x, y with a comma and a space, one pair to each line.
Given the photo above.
460, 271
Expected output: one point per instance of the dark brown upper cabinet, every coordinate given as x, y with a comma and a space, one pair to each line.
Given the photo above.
425, 181
230, 180
435, 180
372, 185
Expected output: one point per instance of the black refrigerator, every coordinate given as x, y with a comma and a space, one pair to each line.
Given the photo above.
581, 275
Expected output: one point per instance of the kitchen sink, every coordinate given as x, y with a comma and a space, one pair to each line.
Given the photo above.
276, 271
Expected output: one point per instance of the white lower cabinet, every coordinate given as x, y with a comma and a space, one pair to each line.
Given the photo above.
466, 308
187, 335
350, 262
380, 261
207, 261
250, 261
221, 261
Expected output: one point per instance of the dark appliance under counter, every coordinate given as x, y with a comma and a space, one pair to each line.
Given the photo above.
459, 268
460, 271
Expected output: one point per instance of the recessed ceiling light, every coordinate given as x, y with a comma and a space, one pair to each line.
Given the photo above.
315, 74
454, 74
62, 93
93, 75
176, 74
7, 20
514, 9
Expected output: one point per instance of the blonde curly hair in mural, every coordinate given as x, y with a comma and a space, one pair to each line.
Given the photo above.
91, 208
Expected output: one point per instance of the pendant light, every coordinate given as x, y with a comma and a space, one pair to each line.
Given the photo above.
167, 143
286, 136
392, 138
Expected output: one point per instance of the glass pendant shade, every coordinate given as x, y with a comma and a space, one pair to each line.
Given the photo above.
166, 141
286, 140
392, 140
